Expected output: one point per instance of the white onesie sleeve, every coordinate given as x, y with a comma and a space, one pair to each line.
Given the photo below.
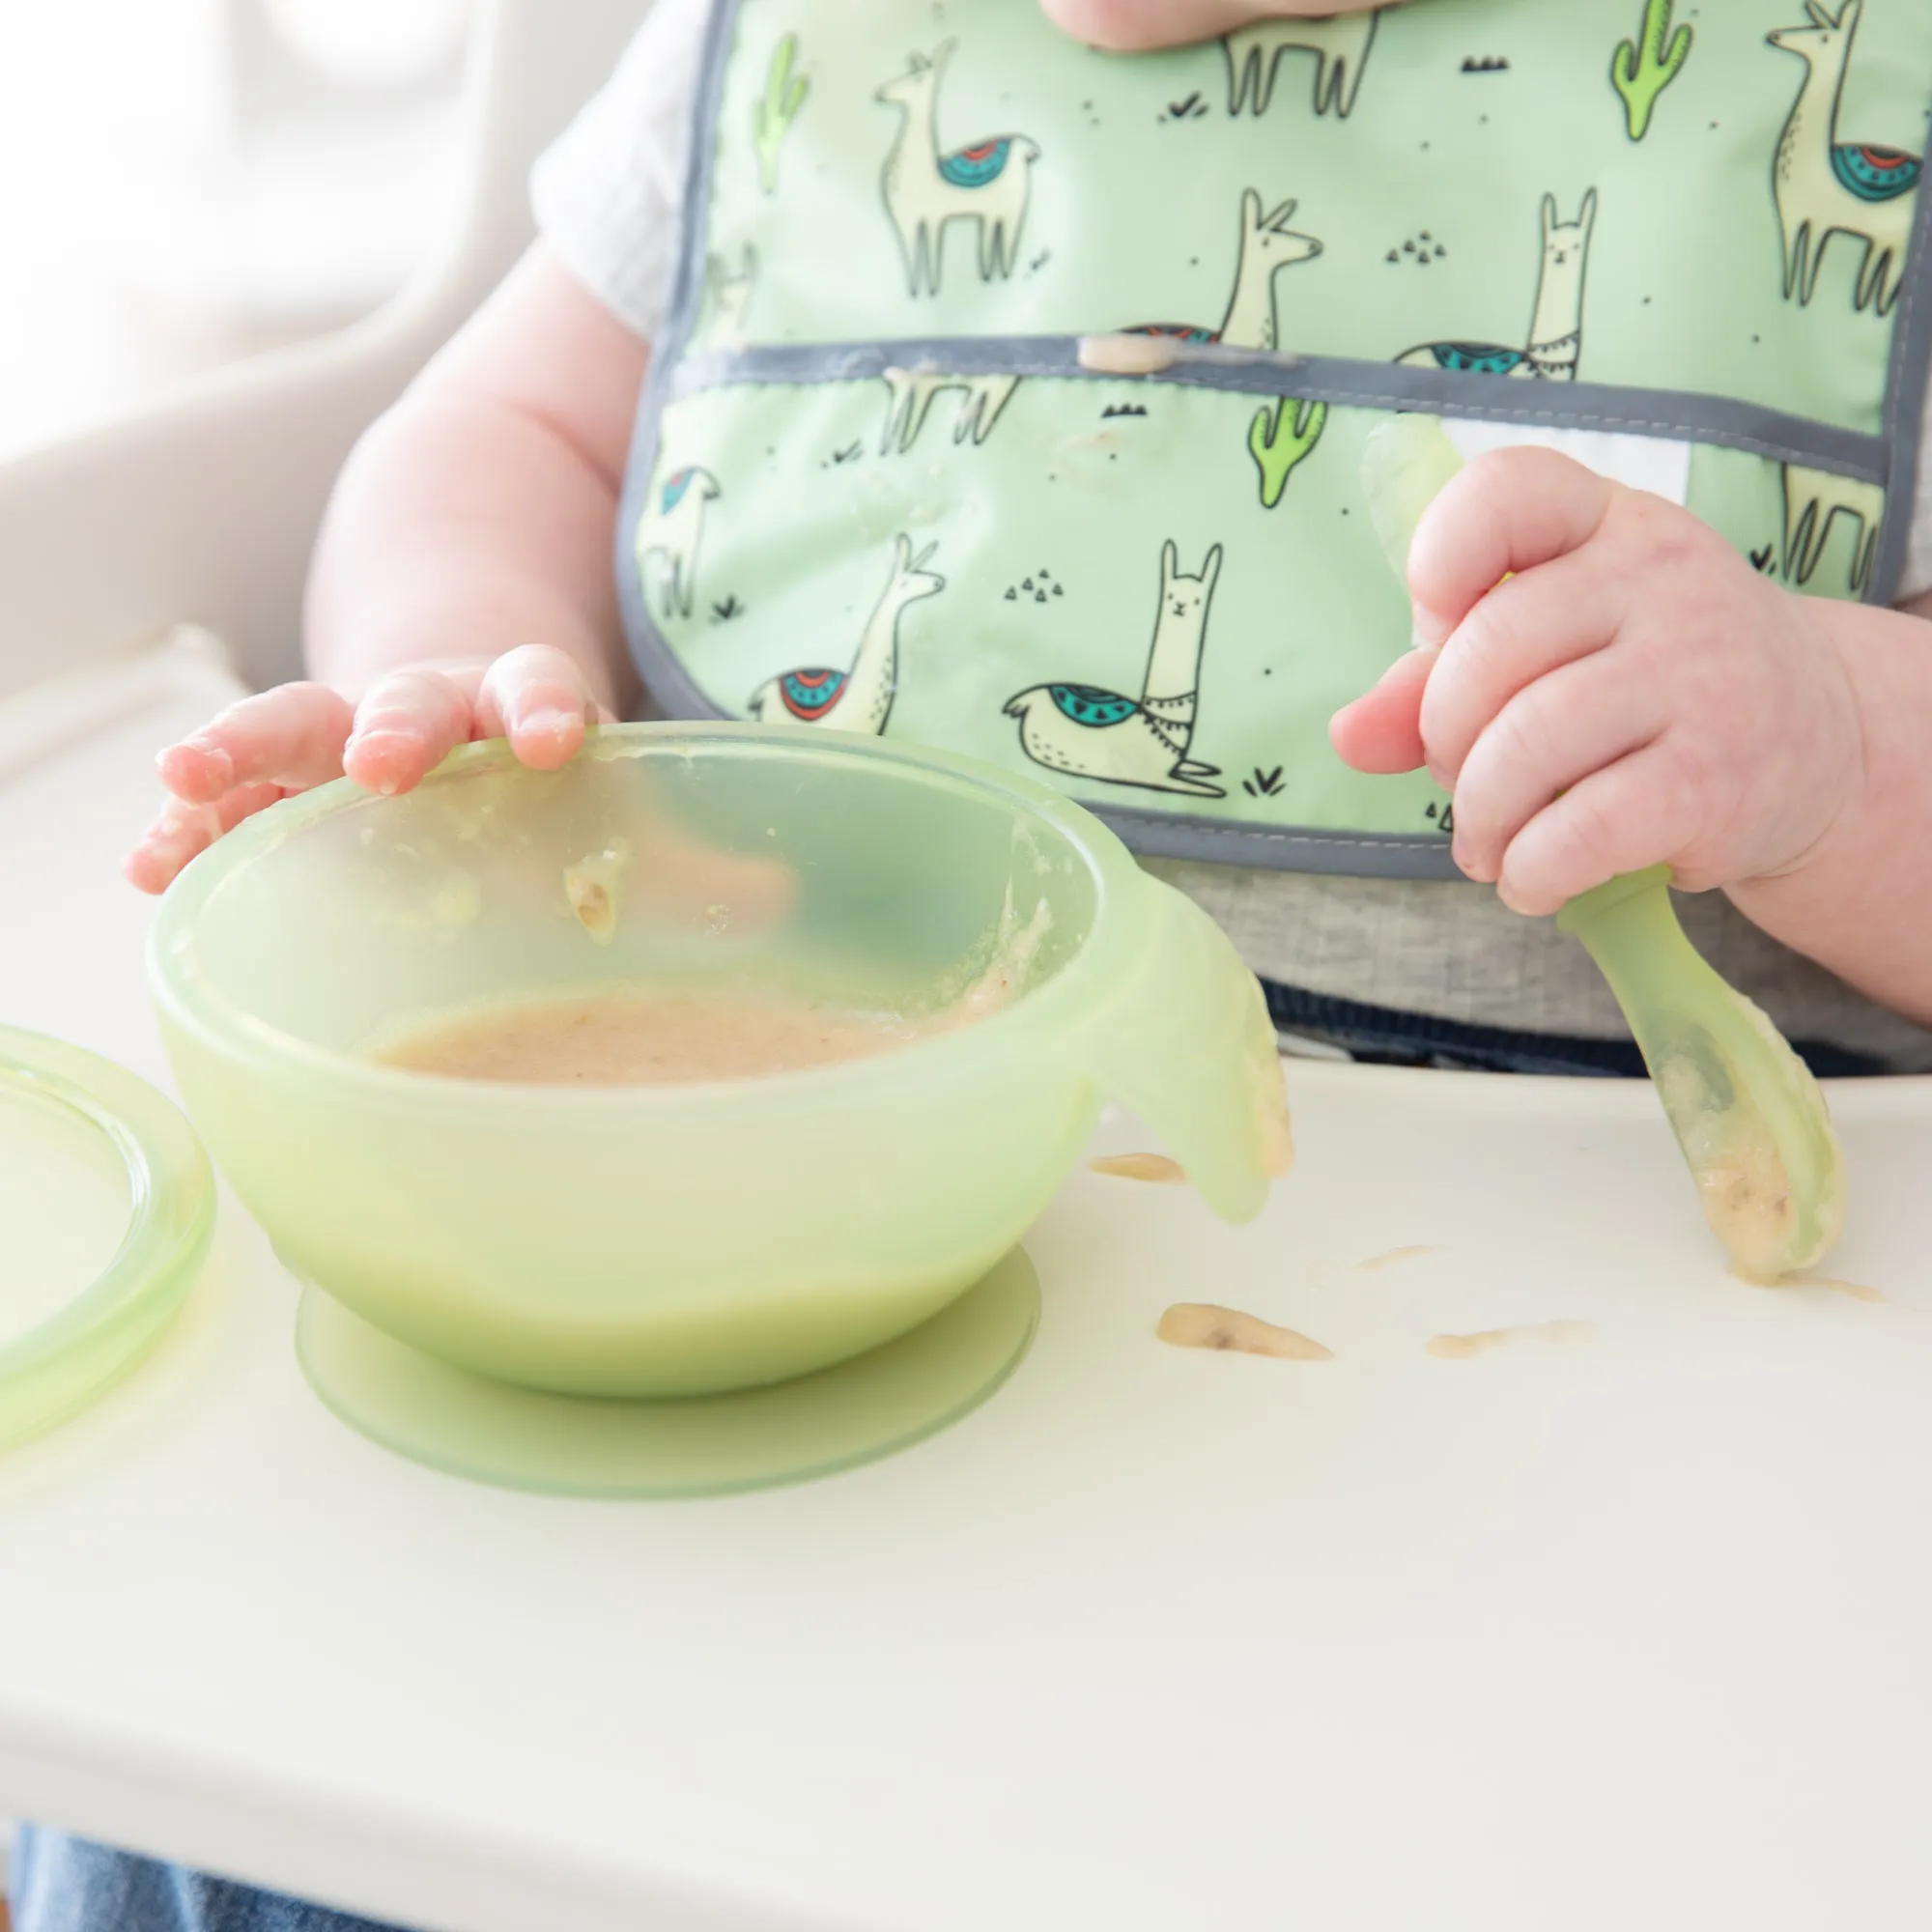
608, 193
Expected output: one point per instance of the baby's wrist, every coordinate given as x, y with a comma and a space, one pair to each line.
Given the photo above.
1854, 789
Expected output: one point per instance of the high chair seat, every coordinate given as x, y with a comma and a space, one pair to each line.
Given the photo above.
203, 508
1581, 1587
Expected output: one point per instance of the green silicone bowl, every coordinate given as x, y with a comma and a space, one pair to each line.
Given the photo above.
676, 1241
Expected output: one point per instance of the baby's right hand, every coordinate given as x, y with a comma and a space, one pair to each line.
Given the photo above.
1136, 26
298, 735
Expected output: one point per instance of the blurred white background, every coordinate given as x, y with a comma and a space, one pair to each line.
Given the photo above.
185, 181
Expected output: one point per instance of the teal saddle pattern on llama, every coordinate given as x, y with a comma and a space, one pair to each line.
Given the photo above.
1875, 174
1014, 393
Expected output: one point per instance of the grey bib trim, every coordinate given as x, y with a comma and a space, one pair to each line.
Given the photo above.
1681, 416
1166, 835
1904, 411
1161, 835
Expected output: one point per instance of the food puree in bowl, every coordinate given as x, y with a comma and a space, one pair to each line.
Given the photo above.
651, 1038
645, 1039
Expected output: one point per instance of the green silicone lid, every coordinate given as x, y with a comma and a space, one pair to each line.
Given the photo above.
106, 1209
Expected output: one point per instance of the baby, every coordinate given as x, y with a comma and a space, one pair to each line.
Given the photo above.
1637, 692
1599, 680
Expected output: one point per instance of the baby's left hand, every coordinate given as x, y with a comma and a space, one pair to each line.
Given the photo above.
1635, 694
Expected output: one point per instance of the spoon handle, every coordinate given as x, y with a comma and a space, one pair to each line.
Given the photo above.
1747, 1114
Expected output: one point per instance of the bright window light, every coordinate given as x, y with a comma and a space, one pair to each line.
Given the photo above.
372, 43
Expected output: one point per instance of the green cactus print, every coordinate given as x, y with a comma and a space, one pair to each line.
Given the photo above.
1641, 72
1279, 441
772, 116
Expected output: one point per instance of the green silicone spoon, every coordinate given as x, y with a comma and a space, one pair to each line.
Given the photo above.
1750, 1117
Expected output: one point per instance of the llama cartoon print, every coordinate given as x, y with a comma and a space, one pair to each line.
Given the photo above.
1813, 498
668, 536
1824, 186
1268, 245
927, 187
1340, 44
1088, 733
1556, 321
860, 699
910, 394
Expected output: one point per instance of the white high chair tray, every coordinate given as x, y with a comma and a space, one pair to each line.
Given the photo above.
1629, 1632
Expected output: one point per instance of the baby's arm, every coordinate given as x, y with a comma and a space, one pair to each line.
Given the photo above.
1859, 901
463, 585
1636, 694
1131, 26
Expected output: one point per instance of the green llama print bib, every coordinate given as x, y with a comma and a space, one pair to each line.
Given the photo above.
1014, 393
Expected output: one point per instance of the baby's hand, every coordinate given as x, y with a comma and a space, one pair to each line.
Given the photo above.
1635, 694
1132, 26
298, 735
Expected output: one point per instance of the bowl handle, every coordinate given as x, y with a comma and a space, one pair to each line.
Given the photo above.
1188, 1043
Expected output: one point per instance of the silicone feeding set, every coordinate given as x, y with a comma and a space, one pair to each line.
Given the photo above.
669, 1125
679, 1287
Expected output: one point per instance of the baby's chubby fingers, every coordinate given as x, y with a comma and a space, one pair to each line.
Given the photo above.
1508, 512
1132, 26
538, 697
407, 724
1627, 817
292, 735
1549, 737
185, 831
255, 753
1526, 629
1434, 704
1512, 511
1382, 730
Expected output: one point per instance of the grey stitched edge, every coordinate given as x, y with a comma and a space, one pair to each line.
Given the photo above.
1160, 835
1905, 404
647, 641
1678, 416
1166, 834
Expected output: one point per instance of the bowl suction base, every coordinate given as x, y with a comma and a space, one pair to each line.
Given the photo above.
518, 1438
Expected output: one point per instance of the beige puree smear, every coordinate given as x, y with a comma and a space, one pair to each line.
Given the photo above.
1155, 1168
1462, 1348
1201, 1325
1127, 355
1393, 1257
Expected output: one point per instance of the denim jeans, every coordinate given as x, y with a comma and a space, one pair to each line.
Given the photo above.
1382, 1034
66, 1884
